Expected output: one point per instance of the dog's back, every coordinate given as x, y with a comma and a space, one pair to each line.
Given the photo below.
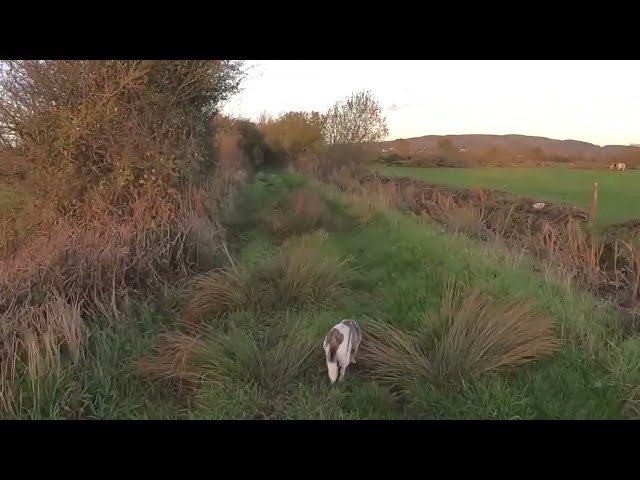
355, 334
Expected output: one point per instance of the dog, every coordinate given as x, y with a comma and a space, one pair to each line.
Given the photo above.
341, 347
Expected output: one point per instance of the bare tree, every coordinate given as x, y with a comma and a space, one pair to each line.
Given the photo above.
357, 119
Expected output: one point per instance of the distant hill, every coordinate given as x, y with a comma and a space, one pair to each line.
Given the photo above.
519, 144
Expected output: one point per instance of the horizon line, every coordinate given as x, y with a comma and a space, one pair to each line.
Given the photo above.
630, 144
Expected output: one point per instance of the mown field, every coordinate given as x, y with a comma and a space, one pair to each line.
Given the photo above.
618, 192
257, 353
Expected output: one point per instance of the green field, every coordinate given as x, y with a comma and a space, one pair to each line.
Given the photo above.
618, 192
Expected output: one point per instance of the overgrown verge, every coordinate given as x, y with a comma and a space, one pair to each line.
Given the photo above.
453, 329
79, 270
605, 264
125, 177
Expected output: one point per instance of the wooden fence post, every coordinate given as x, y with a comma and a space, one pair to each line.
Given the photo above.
594, 201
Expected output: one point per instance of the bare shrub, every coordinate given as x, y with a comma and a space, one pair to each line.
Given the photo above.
111, 126
357, 119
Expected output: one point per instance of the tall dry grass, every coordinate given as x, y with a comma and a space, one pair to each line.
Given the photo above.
299, 274
176, 359
105, 250
481, 334
273, 360
82, 268
465, 338
301, 211
34, 340
217, 293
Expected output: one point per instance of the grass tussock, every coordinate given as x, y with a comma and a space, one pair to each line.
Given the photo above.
300, 274
392, 355
465, 339
176, 359
482, 334
301, 211
272, 359
217, 293
37, 340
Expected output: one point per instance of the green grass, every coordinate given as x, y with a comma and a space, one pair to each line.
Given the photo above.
105, 386
401, 269
618, 192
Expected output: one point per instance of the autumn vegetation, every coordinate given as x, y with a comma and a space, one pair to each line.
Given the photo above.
454, 154
162, 260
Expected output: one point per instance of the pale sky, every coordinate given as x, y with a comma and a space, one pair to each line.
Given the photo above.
597, 101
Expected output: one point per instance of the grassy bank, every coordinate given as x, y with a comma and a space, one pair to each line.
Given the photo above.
618, 193
305, 258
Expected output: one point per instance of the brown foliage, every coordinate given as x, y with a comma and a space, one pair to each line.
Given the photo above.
293, 134
91, 263
111, 126
105, 250
217, 293
116, 153
177, 359
90, 266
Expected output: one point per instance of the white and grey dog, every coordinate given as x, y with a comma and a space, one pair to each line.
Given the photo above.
341, 346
